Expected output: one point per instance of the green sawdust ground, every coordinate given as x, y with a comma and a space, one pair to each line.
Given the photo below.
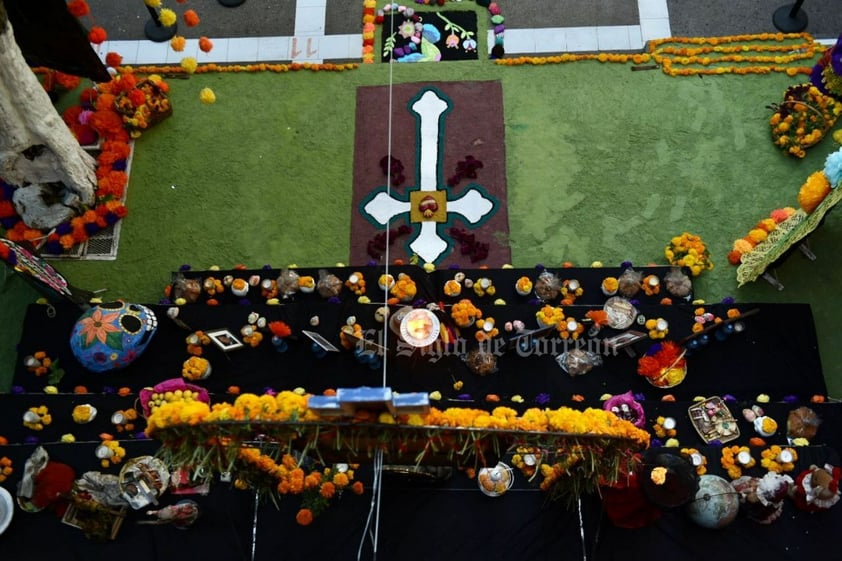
603, 164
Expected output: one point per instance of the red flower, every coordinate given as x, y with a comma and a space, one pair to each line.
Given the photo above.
78, 8
7, 209
113, 59
205, 44
137, 98
97, 35
191, 18
67, 81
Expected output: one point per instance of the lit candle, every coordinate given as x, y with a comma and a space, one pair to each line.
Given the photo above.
353, 279
118, 418
669, 423
31, 417
744, 458
653, 282
785, 457
484, 283
488, 326
661, 324
529, 459
573, 285
571, 325
697, 459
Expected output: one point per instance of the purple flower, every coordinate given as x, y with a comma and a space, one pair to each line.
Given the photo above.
420, 303
334, 300
140, 435
165, 302
371, 263
655, 443
120, 165
542, 398
31, 440
184, 267
63, 228
18, 390
108, 389
464, 396
244, 302
453, 266
536, 301
790, 399
639, 397
269, 391
729, 398
635, 302
267, 267
626, 264
716, 443
540, 267
728, 300
817, 79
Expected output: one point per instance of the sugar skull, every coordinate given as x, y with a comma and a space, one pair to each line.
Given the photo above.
110, 336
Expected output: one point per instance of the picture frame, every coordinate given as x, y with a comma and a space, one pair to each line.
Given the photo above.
318, 339
225, 340
624, 339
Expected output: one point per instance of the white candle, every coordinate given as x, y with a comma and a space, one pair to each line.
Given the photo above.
571, 325
484, 283
744, 458
31, 417
103, 452
653, 281
785, 457
353, 279
669, 423
696, 459
118, 418
573, 285
529, 459
487, 326
661, 324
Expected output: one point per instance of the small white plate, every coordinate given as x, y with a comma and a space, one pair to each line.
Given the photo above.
7, 508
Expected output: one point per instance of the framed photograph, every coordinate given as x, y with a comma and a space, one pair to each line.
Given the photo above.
625, 339
321, 341
225, 340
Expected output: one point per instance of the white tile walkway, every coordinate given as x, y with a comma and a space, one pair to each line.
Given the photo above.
310, 44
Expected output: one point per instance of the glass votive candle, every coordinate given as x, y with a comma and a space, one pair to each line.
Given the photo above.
661, 324
573, 285
785, 457
696, 459
669, 423
103, 452
744, 458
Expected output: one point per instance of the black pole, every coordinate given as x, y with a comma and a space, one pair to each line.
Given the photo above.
157, 32
231, 3
790, 19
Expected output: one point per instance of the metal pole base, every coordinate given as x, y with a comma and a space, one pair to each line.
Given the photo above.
788, 22
159, 33
231, 3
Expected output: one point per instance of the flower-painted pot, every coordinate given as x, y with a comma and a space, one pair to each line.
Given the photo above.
111, 336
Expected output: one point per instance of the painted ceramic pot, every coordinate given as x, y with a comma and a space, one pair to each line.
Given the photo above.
111, 336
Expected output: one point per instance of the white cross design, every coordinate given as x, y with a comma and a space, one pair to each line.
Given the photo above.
473, 205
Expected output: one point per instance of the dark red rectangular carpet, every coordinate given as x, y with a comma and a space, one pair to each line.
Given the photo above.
447, 200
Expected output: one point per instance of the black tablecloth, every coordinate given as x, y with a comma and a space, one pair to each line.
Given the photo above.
776, 354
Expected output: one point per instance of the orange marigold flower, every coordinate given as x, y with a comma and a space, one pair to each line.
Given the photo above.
80, 389
358, 487
178, 43
304, 517
578, 397
233, 390
113, 59
78, 8
329, 392
191, 18
327, 490
817, 399
3, 441
97, 35
205, 44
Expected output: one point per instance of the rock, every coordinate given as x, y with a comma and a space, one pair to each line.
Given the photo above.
45, 206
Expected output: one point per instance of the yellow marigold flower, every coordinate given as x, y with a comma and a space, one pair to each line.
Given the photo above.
153, 3
207, 96
189, 65
167, 17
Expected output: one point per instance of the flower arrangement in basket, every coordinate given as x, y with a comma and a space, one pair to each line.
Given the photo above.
802, 119
171, 391
664, 365
144, 104
688, 250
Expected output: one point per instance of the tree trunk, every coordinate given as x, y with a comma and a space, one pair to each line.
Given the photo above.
36, 146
